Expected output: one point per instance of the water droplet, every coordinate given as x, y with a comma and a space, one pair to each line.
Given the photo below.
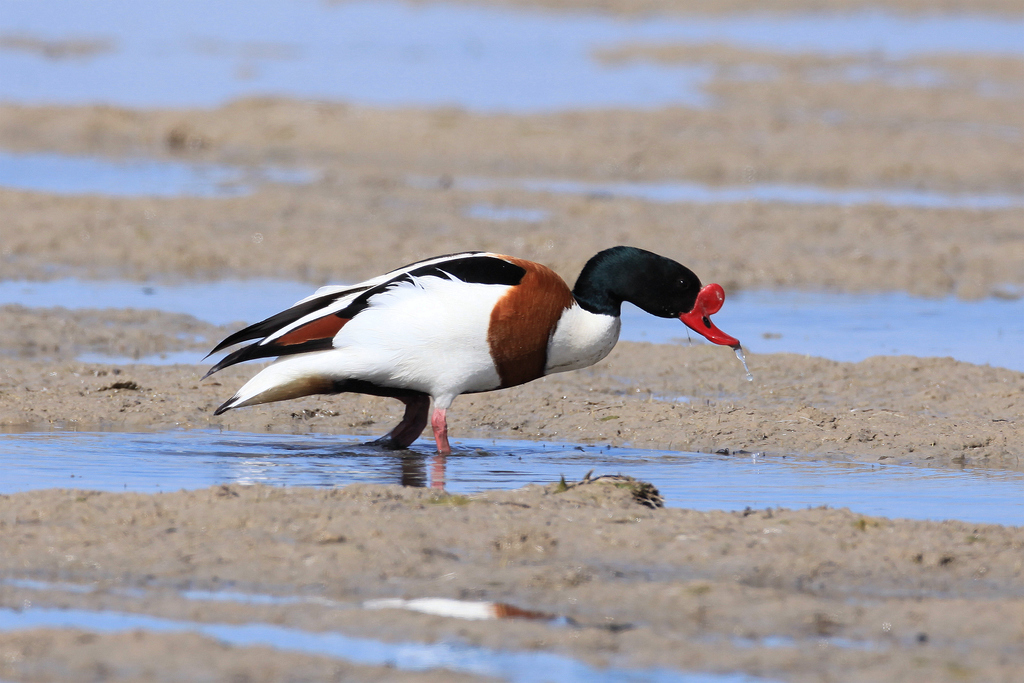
739, 354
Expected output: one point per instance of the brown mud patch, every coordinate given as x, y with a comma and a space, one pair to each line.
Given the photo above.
44, 655
55, 49
58, 332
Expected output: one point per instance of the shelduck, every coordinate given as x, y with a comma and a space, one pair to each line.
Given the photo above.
459, 324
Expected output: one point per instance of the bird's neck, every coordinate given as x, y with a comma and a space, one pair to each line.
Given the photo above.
603, 283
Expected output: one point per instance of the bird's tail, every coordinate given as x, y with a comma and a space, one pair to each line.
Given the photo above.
278, 382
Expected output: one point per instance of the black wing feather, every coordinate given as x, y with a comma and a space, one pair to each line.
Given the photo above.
279, 320
472, 269
257, 350
476, 270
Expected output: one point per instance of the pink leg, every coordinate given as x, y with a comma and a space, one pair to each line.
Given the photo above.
437, 466
412, 424
439, 422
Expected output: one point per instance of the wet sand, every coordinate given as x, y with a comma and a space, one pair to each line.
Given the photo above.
799, 595
804, 595
387, 191
903, 409
78, 654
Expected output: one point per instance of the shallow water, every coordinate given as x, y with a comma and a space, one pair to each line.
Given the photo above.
519, 667
387, 53
844, 327
852, 327
167, 461
459, 609
697, 193
164, 358
473, 610
64, 174
502, 214
220, 302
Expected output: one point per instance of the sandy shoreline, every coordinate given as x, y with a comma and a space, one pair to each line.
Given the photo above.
796, 595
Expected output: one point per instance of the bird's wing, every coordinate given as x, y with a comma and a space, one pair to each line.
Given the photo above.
312, 323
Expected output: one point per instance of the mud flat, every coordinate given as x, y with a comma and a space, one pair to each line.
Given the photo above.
118, 583
914, 166
785, 594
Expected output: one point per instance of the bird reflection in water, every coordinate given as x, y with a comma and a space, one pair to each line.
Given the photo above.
412, 470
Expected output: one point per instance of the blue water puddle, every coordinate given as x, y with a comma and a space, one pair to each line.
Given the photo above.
387, 53
519, 667
823, 641
168, 461
220, 302
459, 609
164, 358
697, 193
504, 214
63, 174
238, 597
473, 610
446, 607
853, 327
844, 327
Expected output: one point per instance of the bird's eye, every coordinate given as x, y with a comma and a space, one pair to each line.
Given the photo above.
707, 322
